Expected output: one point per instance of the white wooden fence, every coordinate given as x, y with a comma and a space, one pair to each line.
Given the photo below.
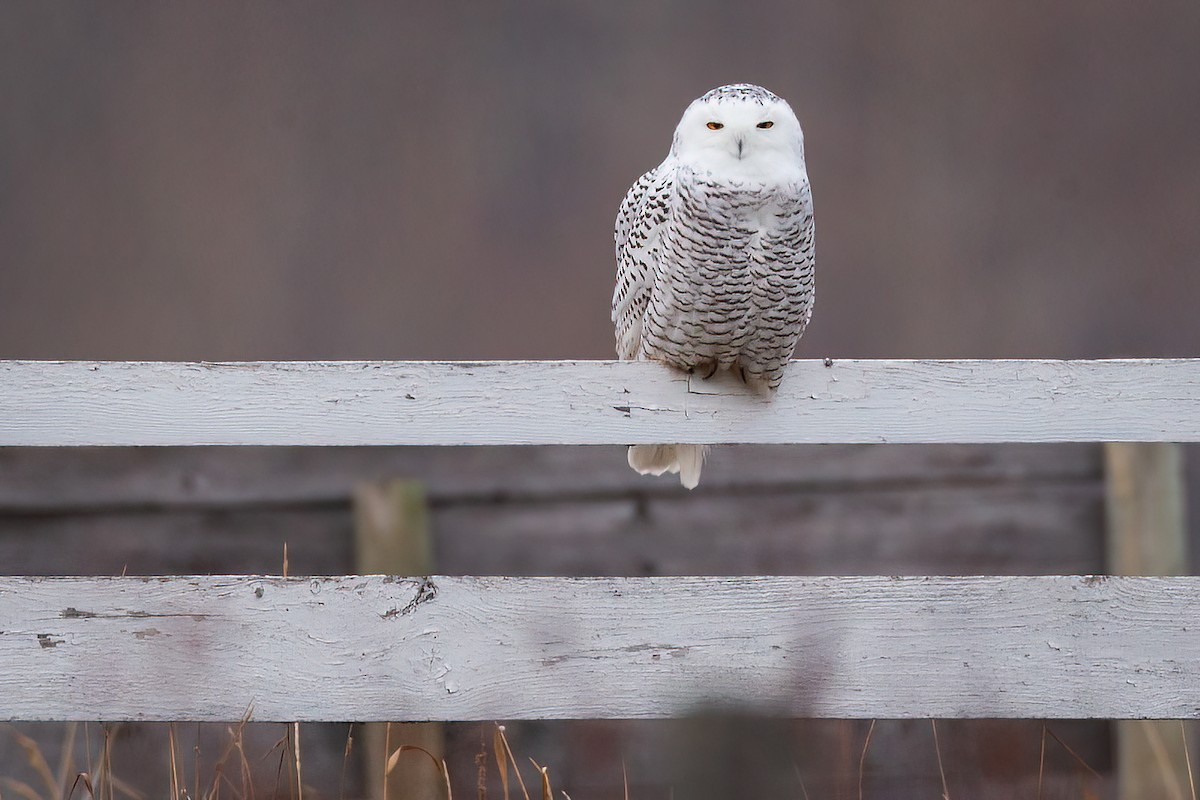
379, 648
593, 402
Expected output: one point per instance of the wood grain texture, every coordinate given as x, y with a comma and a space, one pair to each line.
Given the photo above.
186, 542
379, 648
1002, 530
46, 479
989, 529
1147, 536
593, 402
391, 536
1147, 533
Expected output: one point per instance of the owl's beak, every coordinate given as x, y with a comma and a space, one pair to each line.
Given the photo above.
741, 143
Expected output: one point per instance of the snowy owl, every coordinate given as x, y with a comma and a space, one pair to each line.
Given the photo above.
715, 253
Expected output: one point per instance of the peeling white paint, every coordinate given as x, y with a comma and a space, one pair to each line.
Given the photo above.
551, 648
593, 402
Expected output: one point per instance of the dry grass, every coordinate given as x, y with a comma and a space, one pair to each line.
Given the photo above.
231, 775
97, 779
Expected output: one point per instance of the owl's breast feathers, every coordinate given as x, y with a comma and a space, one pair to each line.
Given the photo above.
734, 275
739, 225
713, 272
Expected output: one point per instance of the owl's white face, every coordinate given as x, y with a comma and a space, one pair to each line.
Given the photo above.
748, 138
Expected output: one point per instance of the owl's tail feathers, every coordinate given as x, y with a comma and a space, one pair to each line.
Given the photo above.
655, 459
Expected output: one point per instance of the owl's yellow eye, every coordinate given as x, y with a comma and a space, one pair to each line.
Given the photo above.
766, 124
715, 126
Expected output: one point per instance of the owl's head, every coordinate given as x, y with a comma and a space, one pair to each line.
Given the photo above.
741, 131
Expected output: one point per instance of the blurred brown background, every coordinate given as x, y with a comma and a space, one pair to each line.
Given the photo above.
308, 180
438, 180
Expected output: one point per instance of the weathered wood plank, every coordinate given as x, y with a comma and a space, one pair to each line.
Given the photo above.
989, 529
391, 536
1146, 503
377, 648
319, 540
1001, 530
1147, 536
96, 478
593, 402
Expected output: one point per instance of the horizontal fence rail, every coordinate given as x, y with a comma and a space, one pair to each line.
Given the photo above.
460, 648
593, 402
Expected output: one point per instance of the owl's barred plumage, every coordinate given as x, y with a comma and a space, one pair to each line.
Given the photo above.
715, 253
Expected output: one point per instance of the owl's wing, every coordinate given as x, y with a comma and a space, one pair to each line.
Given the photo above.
639, 223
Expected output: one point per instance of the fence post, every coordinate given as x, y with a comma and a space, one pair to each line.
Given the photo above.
391, 524
1147, 536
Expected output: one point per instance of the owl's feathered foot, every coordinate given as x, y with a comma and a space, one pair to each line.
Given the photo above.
705, 369
756, 382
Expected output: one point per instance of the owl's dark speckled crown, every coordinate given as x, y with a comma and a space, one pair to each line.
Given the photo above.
741, 91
